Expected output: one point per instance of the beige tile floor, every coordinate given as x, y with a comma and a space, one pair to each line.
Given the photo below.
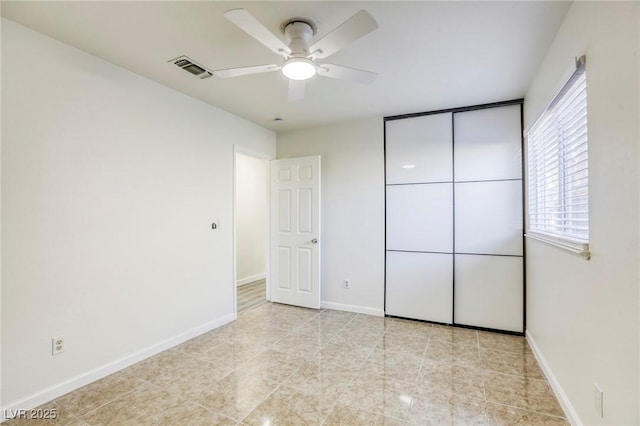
280, 365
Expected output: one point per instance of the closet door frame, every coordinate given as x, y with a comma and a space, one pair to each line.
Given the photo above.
519, 102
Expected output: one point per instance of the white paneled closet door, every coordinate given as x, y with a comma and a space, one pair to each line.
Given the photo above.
454, 217
419, 211
488, 218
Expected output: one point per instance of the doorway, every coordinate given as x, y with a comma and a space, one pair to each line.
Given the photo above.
251, 229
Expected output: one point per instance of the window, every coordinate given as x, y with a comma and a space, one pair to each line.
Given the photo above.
558, 173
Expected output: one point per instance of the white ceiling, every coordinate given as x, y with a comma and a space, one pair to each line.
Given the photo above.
429, 55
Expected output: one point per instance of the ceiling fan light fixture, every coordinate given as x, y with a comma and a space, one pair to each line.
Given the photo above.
299, 69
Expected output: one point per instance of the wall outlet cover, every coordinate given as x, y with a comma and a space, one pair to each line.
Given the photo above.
57, 345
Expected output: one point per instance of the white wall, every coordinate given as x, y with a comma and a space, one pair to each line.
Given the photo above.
352, 209
584, 315
252, 183
1, 340
110, 183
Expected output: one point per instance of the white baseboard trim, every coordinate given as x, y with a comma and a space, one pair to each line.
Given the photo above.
250, 279
569, 412
353, 308
84, 379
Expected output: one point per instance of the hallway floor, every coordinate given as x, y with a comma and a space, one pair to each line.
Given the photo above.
280, 365
251, 295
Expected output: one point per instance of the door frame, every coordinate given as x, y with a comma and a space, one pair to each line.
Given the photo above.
237, 149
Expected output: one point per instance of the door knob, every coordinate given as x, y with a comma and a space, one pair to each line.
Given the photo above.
314, 241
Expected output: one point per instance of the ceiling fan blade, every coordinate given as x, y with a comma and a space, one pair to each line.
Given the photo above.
237, 72
296, 90
346, 73
249, 24
358, 25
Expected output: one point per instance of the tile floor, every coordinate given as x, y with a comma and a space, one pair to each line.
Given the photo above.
280, 365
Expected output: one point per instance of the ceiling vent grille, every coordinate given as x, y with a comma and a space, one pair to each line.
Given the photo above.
191, 67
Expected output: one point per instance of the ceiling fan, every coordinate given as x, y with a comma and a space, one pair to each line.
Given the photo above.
300, 56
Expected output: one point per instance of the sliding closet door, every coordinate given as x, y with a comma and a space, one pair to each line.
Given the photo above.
454, 223
419, 218
488, 218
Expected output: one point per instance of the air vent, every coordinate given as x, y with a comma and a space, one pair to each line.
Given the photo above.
192, 67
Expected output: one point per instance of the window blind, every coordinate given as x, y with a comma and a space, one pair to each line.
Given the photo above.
558, 166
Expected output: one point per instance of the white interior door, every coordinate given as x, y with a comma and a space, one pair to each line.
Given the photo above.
295, 231
419, 218
488, 219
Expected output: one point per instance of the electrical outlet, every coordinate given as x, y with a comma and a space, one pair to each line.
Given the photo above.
346, 284
57, 345
598, 400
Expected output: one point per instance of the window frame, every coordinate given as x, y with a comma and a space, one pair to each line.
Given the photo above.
561, 239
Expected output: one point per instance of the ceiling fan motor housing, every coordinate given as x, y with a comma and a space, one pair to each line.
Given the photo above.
299, 33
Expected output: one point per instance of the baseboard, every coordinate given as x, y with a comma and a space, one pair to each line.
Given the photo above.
250, 279
353, 308
569, 412
58, 390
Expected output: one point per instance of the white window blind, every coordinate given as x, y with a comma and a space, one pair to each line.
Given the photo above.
558, 168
